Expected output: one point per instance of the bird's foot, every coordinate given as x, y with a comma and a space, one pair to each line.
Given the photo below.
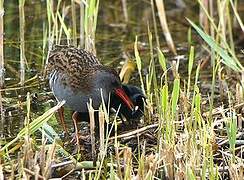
77, 138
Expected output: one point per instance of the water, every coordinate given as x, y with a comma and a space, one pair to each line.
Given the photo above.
114, 38
114, 41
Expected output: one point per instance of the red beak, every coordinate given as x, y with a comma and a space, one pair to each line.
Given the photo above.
121, 93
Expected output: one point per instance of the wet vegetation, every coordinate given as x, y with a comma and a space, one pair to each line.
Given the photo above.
187, 58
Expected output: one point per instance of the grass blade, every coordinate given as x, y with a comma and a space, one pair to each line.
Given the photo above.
229, 61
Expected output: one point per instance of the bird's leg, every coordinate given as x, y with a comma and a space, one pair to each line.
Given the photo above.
61, 118
74, 118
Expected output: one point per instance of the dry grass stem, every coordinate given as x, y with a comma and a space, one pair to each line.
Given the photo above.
2, 120
155, 24
74, 27
135, 132
2, 69
164, 25
192, 117
127, 162
22, 41
1, 172
101, 132
125, 12
92, 130
82, 31
203, 19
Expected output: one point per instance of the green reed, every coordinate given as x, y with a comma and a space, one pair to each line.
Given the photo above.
90, 24
186, 142
168, 110
139, 65
32, 127
220, 34
231, 122
190, 65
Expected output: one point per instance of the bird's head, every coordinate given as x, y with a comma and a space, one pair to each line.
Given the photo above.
128, 99
132, 109
108, 80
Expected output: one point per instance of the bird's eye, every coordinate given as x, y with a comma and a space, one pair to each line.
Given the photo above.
136, 108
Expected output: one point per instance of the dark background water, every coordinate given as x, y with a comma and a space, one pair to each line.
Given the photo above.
114, 38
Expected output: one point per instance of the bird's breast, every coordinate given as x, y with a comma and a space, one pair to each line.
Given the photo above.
76, 99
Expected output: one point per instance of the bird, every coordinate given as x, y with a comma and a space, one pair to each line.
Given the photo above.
137, 97
118, 107
77, 76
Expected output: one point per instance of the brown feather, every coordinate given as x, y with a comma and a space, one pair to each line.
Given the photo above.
76, 65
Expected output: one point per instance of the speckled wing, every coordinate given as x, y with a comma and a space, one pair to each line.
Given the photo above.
74, 66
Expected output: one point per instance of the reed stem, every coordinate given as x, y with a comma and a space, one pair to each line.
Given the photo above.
164, 25
125, 12
90, 24
74, 29
155, 24
203, 19
82, 16
22, 41
92, 130
2, 119
2, 69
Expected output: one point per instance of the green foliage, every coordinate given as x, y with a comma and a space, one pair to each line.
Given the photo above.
231, 132
33, 126
227, 56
